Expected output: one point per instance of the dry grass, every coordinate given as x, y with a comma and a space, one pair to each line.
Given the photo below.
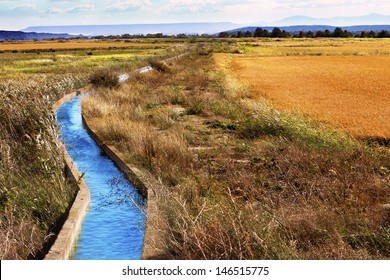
34, 193
244, 181
19, 238
349, 92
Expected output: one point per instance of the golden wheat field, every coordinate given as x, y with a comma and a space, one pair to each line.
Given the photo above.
349, 92
318, 46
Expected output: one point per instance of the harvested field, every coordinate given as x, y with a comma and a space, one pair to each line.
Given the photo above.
73, 60
317, 47
349, 92
73, 44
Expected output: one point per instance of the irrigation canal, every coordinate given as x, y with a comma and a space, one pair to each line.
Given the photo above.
114, 227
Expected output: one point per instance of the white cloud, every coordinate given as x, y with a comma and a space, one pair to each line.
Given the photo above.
20, 13
128, 5
64, 1
81, 8
73, 10
20, 10
300, 4
198, 6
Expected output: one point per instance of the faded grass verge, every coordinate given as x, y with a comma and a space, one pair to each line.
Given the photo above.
220, 226
34, 194
293, 128
276, 186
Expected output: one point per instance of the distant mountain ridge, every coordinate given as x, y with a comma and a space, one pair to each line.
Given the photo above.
19, 35
138, 29
375, 22
370, 19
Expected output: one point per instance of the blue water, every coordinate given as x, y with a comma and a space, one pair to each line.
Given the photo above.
114, 227
123, 78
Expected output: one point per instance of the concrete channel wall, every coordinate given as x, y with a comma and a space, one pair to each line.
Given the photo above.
65, 241
149, 187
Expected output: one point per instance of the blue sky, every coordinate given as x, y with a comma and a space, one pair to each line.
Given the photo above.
19, 14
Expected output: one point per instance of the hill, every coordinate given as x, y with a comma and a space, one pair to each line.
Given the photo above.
19, 35
135, 29
370, 19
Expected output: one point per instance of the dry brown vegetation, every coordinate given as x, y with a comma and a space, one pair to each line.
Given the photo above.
34, 193
244, 181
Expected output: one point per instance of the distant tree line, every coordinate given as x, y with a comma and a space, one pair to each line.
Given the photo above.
278, 33
261, 33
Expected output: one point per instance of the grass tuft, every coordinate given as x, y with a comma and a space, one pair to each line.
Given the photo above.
159, 66
104, 78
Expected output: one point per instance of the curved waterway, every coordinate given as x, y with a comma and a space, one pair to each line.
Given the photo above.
114, 227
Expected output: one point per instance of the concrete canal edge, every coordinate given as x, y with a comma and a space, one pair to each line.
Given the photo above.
67, 237
149, 187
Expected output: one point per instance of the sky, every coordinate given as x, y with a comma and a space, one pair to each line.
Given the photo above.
19, 14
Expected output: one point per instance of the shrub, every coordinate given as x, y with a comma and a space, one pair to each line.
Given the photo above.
159, 66
195, 109
104, 78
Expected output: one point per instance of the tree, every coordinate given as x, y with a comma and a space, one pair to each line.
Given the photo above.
309, 34
371, 34
363, 34
258, 32
182, 36
265, 33
276, 33
347, 34
320, 34
383, 34
248, 34
224, 35
338, 32
285, 34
